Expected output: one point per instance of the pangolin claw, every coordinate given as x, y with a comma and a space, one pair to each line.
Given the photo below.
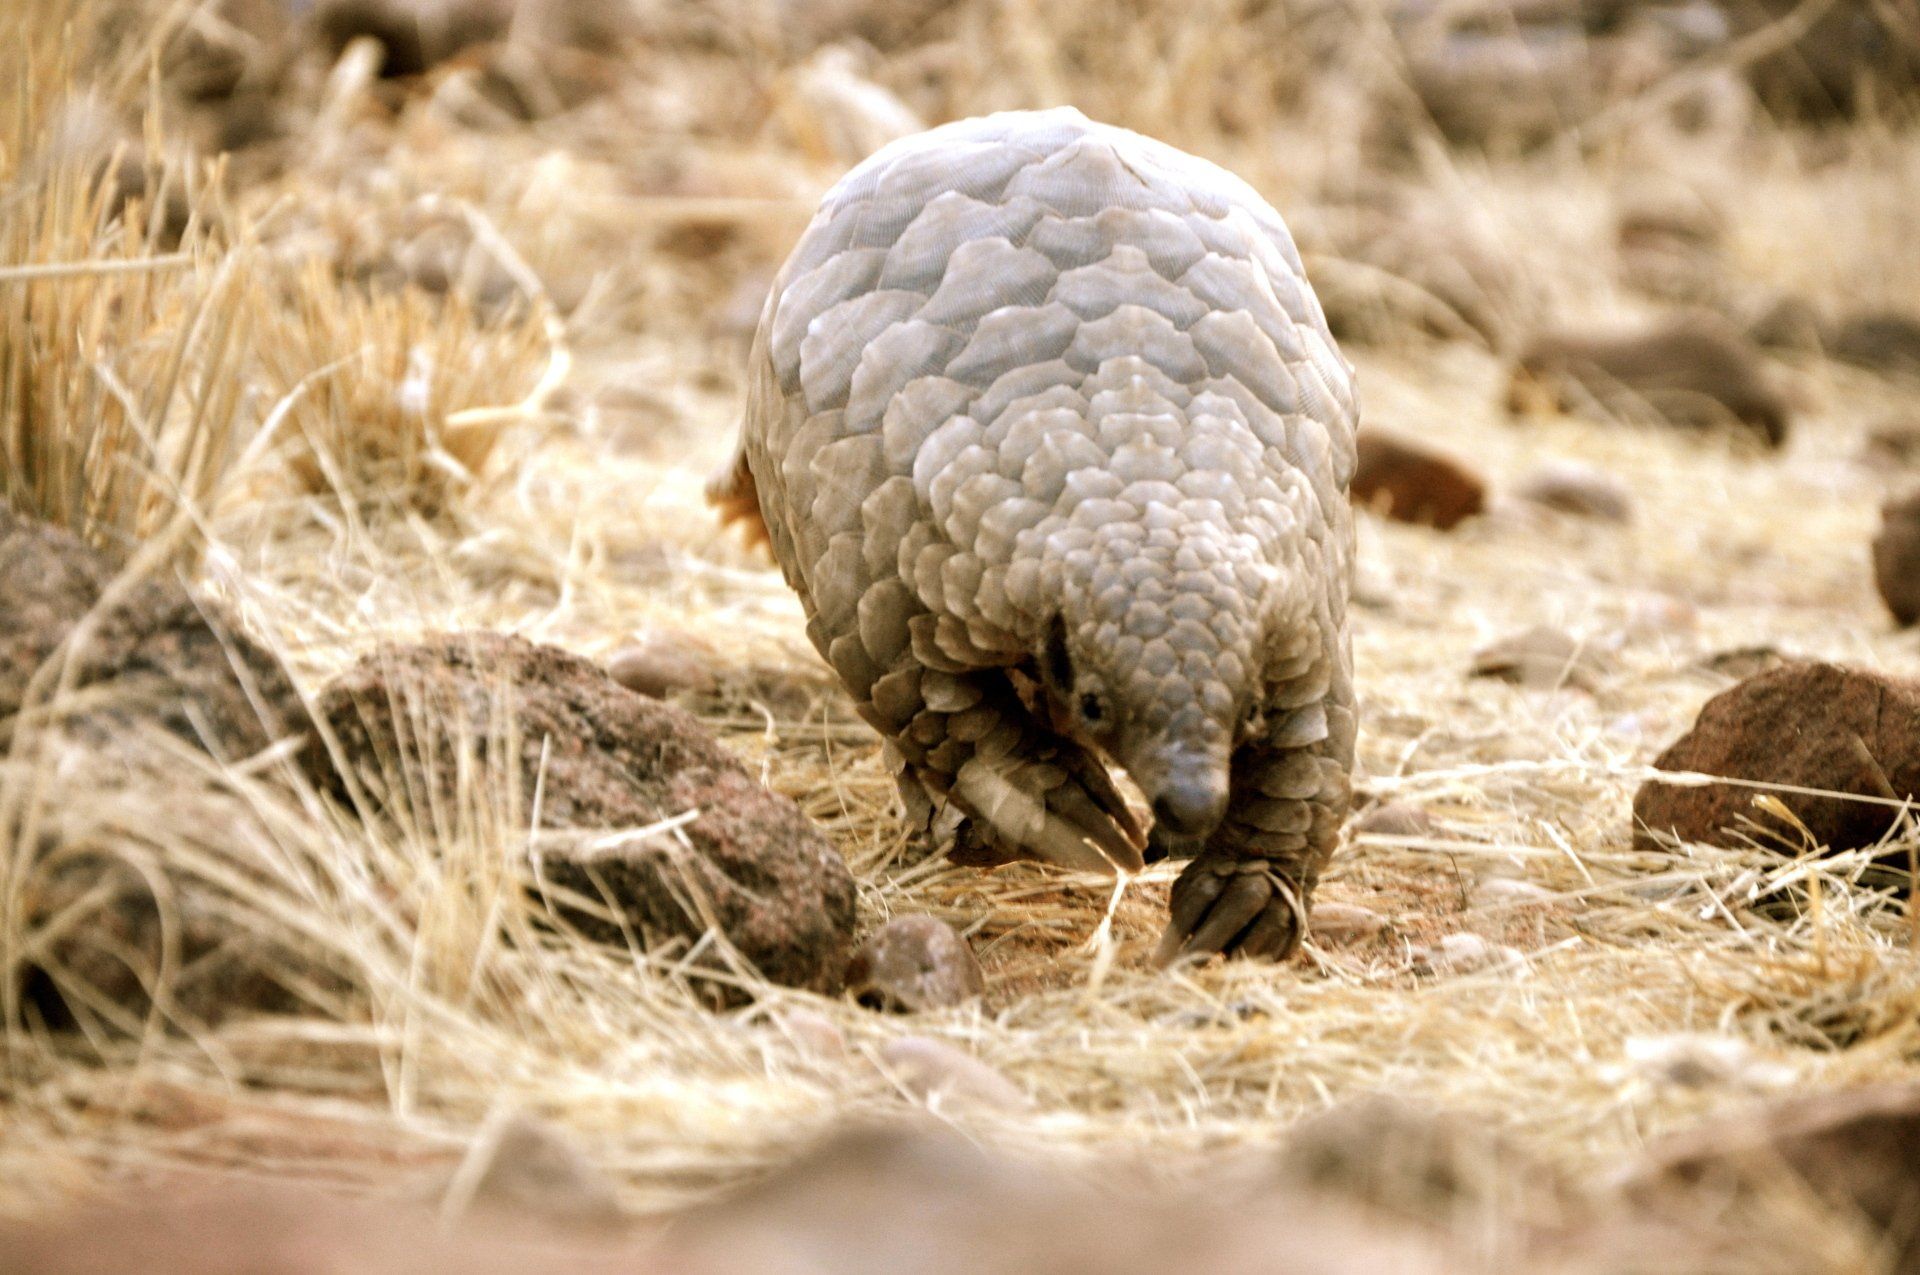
1237, 907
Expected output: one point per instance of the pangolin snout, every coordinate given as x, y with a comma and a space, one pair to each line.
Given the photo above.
1191, 805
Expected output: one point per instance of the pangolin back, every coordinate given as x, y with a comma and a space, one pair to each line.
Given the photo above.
1031, 380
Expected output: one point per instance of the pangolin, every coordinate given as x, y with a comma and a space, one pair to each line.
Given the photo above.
1047, 430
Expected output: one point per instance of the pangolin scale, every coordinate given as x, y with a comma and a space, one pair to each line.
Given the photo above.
1047, 430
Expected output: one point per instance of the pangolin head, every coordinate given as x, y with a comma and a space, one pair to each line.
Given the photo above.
1154, 656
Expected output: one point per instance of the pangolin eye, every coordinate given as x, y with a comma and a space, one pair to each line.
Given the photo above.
1092, 707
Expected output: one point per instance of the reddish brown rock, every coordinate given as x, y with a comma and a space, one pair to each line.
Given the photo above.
141, 862
608, 762
156, 654
1896, 558
914, 963
1804, 724
1693, 371
1410, 484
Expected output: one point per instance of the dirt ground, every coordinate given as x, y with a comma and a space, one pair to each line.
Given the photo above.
561, 242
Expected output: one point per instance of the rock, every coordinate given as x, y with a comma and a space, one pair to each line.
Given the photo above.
1416, 1163
934, 1072
212, 60
1804, 724
1503, 894
159, 898
1410, 484
157, 654
608, 762
215, 1227
1580, 490
1788, 322
525, 1167
1394, 819
1696, 1060
1894, 441
1740, 662
662, 664
1345, 922
1651, 613
906, 1201
1885, 341
1692, 371
814, 1034
414, 35
1896, 558
142, 889
914, 963
1668, 215
1851, 1150
1853, 59
1465, 954
1541, 658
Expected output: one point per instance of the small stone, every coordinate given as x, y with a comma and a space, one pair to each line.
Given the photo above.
1394, 819
1743, 661
1804, 725
664, 663
1580, 490
1695, 1060
1503, 893
914, 963
1541, 658
1345, 922
1896, 558
1408, 1158
1465, 953
1407, 483
814, 1034
1787, 322
939, 1075
1661, 613
1894, 441
1884, 341
530, 1168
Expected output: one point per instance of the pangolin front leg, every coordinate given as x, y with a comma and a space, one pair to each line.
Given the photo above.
1025, 791
1249, 889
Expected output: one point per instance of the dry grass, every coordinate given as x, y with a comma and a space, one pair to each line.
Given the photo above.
450, 1007
121, 363
397, 395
